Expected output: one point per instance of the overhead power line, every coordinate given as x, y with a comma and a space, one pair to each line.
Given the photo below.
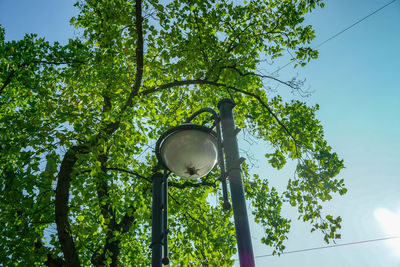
355, 23
342, 31
331, 246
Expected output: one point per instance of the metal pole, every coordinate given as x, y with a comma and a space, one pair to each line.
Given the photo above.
165, 259
233, 161
156, 220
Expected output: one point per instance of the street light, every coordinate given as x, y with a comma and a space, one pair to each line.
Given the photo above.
191, 151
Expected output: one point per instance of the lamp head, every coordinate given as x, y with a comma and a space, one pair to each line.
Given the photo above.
188, 150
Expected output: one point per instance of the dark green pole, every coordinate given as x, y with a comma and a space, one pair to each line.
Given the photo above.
233, 161
156, 220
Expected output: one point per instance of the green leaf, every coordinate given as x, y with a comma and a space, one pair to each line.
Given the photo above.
78, 123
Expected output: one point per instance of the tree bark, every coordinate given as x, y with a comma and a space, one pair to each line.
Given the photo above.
61, 207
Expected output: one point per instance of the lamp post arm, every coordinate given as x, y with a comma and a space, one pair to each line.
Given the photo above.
216, 118
203, 110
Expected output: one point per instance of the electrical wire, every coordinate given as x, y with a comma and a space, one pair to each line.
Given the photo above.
355, 23
331, 246
342, 31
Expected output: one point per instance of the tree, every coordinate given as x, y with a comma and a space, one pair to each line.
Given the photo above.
79, 122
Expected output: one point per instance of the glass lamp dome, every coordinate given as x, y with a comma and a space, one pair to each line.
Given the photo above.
190, 151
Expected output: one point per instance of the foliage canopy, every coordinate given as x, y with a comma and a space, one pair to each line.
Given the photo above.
78, 123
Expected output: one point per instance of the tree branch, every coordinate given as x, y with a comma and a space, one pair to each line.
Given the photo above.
172, 184
130, 172
289, 84
269, 111
112, 244
173, 84
50, 262
232, 45
113, 126
205, 58
102, 190
126, 221
7, 81
185, 212
216, 83
61, 207
121, 170
189, 184
139, 56
12, 73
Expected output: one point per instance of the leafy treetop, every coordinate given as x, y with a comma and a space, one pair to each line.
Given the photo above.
79, 122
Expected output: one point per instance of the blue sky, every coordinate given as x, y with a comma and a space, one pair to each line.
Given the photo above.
355, 82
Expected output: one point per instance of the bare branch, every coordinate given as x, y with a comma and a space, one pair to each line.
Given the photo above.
290, 84
269, 111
